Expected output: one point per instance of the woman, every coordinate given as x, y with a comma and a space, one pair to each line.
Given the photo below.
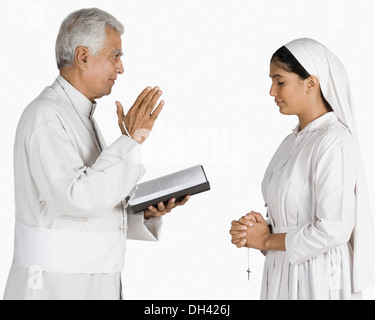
319, 238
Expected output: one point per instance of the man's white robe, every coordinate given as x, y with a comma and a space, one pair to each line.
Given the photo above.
68, 185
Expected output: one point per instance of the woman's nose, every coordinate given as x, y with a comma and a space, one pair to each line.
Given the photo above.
272, 91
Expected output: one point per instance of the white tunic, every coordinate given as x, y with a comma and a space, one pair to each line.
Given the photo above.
69, 184
308, 188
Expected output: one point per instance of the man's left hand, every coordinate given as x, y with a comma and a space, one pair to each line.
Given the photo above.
162, 209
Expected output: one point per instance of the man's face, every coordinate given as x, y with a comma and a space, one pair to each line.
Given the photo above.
102, 69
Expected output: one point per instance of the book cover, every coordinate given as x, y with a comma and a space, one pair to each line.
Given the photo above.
176, 185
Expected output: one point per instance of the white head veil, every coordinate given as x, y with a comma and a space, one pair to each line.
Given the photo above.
322, 63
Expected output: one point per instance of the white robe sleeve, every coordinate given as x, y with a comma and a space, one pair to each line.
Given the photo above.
141, 229
67, 184
334, 186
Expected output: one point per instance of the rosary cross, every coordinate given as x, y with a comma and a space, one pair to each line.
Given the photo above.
248, 273
124, 204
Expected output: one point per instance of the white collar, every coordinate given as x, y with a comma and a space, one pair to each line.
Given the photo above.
320, 123
83, 105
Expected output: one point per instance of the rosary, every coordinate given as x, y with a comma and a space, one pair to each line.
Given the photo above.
125, 204
248, 264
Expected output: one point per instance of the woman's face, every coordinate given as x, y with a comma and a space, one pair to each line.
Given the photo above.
288, 89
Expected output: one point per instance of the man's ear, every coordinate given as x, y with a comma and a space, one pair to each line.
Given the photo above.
80, 57
312, 84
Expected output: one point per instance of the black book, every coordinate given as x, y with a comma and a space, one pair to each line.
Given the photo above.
175, 185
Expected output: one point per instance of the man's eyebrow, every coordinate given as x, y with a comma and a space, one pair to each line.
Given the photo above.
117, 52
276, 75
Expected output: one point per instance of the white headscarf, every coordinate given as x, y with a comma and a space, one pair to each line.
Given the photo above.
334, 82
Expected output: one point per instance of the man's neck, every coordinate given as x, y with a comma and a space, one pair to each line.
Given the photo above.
72, 76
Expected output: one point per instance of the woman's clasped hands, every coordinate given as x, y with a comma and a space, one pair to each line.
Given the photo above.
250, 231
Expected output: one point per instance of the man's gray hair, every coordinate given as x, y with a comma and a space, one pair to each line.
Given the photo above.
87, 28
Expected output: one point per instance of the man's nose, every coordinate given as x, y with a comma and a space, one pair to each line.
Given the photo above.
120, 67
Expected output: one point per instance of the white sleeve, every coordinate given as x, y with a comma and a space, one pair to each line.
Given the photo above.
334, 187
67, 184
141, 229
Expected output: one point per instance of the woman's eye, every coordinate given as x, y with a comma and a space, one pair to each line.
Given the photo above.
280, 83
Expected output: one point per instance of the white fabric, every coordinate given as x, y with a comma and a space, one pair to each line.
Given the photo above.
334, 82
309, 191
69, 251
68, 180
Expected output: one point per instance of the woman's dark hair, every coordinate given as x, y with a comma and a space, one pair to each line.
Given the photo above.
286, 60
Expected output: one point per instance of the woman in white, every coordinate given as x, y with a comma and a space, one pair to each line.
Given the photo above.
319, 238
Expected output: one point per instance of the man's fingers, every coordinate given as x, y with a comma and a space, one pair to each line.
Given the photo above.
157, 111
120, 110
152, 102
148, 98
152, 209
141, 97
160, 209
161, 206
171, 204
139, 118
156, 212
183, 201
120, 116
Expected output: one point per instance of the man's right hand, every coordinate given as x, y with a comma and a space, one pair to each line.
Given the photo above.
141, 117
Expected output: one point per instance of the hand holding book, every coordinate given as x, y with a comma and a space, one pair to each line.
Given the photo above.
161, 195
161, 209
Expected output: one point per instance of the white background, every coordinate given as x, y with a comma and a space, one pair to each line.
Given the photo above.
211, 59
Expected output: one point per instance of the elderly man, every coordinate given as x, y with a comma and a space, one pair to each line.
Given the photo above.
71, 219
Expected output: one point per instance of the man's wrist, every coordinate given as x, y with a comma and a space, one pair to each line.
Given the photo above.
126, 130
